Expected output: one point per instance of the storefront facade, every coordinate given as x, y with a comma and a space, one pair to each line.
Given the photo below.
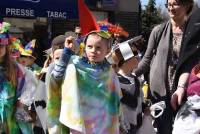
45, 19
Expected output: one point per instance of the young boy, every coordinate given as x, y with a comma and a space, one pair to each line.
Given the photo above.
124, 57
90, 88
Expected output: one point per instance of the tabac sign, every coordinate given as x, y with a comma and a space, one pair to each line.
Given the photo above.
57, 9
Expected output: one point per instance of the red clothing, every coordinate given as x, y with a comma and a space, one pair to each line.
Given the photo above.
194, 82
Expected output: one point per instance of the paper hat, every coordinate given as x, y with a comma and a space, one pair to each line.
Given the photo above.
29, 49
123, 51
87, 21
102, 33
4, 36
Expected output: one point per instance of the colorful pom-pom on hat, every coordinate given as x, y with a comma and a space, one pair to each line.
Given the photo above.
16, 47
112, 29
4, 36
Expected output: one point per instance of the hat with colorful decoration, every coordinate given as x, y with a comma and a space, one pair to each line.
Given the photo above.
29, 49
16, 47
102, 33
113, 29
4, 36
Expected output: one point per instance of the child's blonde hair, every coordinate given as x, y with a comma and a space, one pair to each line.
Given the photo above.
105, 36
10, 67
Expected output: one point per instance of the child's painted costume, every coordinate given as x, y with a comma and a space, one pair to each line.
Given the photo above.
90, 95
8, 97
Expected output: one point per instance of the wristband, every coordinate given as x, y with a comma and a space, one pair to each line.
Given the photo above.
181, 86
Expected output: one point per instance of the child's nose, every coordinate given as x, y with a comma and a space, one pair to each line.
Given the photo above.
93, 49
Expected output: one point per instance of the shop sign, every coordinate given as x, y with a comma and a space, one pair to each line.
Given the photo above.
109, 2
57, 9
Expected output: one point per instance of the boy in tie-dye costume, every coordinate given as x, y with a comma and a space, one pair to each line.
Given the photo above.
89, 88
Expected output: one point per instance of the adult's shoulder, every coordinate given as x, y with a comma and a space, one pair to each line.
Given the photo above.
192, 30
159, 28
195, 14
193, 21
161, 25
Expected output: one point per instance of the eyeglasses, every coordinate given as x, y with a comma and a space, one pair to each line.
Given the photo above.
174, 5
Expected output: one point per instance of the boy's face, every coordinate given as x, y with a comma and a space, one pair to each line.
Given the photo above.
26, 61
57, 53
123, 57
96, 48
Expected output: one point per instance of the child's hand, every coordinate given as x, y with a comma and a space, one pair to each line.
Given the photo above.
69, 43
177, 97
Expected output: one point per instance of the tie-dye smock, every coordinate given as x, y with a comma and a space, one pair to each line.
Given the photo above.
90, 95
8, 97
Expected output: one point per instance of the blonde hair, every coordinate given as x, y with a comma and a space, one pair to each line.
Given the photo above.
10, 67
106, 41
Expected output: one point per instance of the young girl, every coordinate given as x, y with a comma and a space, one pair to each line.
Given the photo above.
90, 88
12, 78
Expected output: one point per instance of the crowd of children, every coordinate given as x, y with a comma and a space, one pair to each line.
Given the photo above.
86, 86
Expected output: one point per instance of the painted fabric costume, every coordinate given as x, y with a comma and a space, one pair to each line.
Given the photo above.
8, 98
90, 95
54, 104
35, 68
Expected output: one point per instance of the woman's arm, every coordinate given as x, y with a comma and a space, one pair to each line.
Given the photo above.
178, 95
144, 64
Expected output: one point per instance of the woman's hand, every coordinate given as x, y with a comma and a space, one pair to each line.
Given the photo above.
69, 43
177, 97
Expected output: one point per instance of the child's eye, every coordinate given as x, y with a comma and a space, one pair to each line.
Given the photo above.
89, 46
98, 47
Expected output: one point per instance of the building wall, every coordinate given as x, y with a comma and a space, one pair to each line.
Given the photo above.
128, 5
126, 13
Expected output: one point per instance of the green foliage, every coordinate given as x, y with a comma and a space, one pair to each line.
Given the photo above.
150, 17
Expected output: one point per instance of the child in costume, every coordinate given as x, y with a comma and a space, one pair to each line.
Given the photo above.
57, 43
12, 83
90, 88
33, 95
124, 57
53, 93
187, 120
28, 59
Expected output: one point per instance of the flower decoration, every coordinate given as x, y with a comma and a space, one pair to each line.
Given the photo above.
4, 27
4, 36
113, 29
16, 47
